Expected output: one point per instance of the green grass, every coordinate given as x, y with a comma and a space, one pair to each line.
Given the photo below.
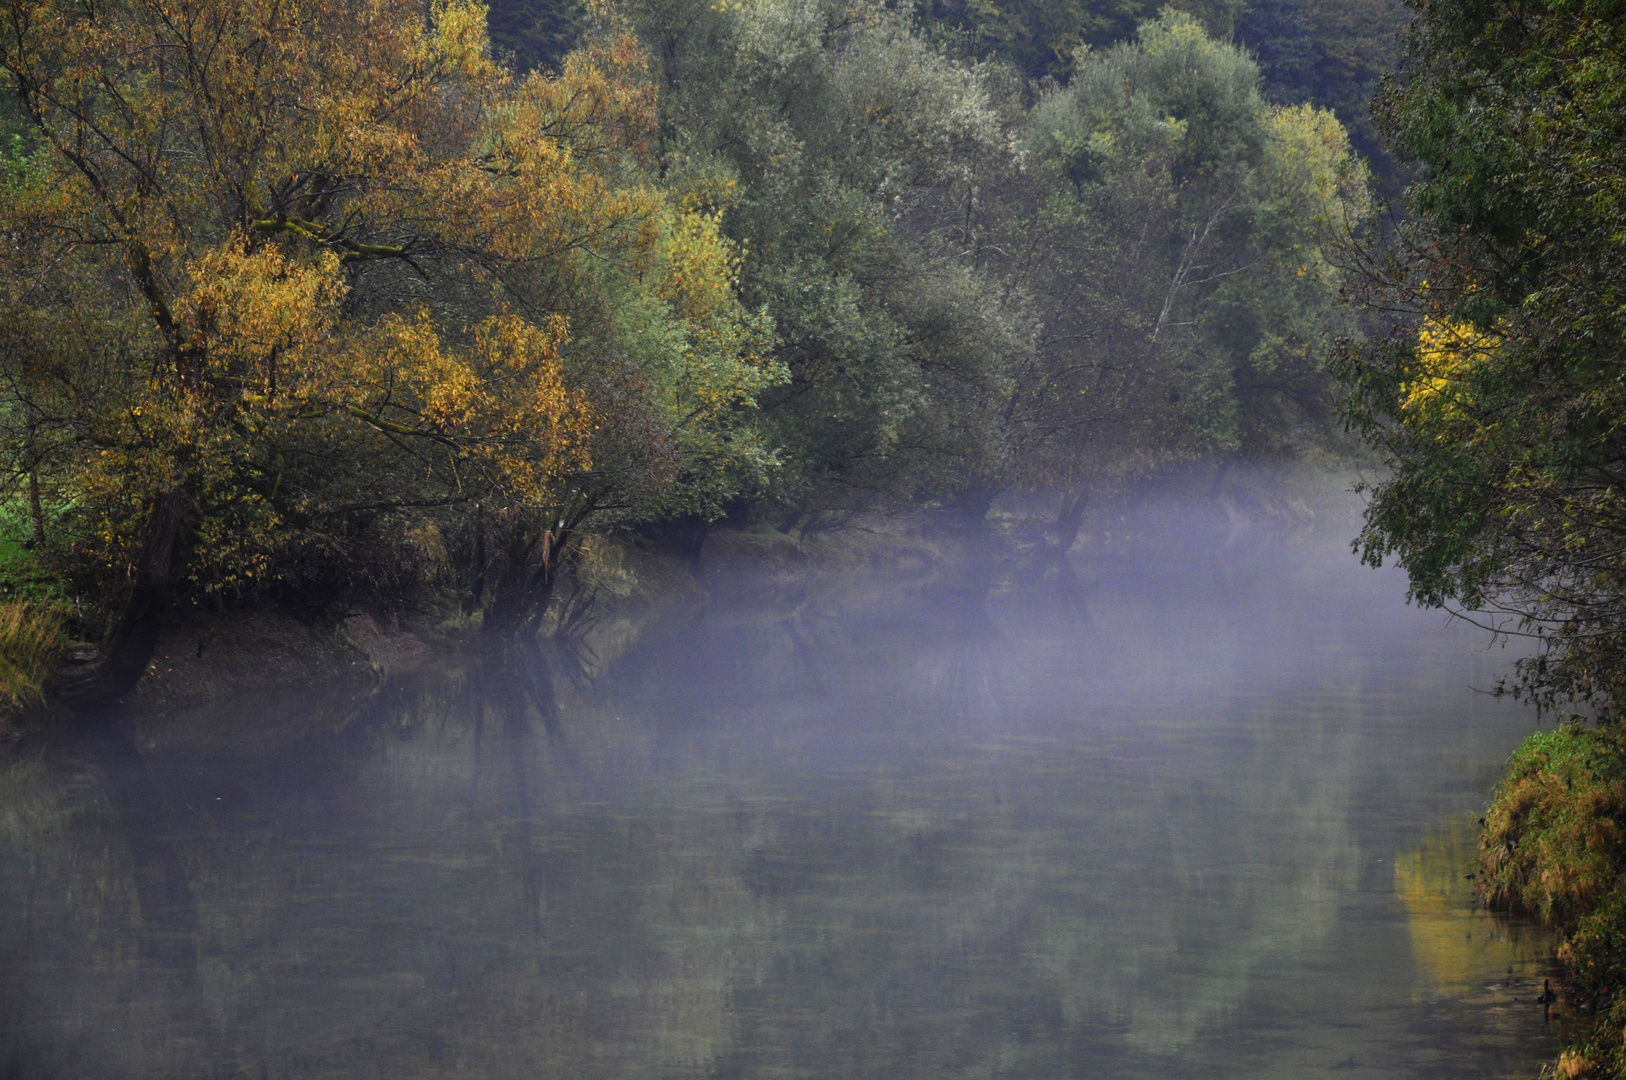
23, 578
33, 618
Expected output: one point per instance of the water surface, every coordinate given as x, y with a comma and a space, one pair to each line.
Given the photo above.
1202, 809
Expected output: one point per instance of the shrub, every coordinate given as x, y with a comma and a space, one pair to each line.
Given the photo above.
1554, 846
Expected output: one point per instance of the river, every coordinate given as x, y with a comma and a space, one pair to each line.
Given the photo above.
1202, 808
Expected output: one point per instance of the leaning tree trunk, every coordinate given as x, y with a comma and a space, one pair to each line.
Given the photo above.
530, 575
1069, 520
506, 609
91, 680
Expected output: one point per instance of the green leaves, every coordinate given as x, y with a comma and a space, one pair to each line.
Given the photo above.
1203, 214
1509, 502
843, 153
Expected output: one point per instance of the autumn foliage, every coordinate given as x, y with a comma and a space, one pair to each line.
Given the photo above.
321, 302
297, 266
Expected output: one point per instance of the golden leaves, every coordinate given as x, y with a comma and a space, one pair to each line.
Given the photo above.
458, 40
500, 407
353, 239
698, 267
1447, 353
247, 308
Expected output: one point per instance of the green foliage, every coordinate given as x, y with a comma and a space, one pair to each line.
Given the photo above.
1553, 835
1175, 94
1181, 281
1043, 38
839, 148
1497, 401
447, 303
1496, 396
969, 295
1329, 52
788, 255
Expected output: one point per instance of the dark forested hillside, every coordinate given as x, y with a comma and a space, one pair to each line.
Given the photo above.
531, 34
1329, 52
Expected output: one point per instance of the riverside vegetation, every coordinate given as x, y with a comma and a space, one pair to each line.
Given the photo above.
335, 305
330, 305
1495, 397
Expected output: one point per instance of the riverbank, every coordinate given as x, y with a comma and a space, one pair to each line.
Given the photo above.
1554, 847
623, 586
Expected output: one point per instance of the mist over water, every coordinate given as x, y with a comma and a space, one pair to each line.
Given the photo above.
1201, 807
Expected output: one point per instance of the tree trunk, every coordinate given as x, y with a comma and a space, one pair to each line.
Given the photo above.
971, 506
542, 589
506, 613
87, 681
35, 513
1069, 519
520, 596
477, 587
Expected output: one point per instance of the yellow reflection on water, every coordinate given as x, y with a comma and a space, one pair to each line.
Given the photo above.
1460, 949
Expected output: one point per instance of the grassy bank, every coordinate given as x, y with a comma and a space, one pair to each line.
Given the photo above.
34, 625
1554, 846
32, 636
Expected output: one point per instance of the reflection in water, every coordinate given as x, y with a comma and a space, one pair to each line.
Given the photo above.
1461, 949
1146, 829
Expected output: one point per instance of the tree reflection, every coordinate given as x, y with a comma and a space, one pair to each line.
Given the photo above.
946, 837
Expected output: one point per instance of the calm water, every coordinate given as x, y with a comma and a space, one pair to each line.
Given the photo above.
1203, 813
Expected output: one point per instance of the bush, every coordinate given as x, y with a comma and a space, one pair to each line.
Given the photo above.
1554, 846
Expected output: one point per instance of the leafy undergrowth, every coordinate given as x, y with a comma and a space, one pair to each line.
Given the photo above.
1554, 846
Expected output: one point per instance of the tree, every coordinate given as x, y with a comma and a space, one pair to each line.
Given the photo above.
839, 149
280, 270
1041, 38
1495, 396
1173, 250
532, 34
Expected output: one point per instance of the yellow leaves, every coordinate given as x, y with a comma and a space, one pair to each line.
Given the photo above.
601, 101
706, 189
277, 185
246, 308
1447, 352
540, 181
458, 39
1310, 138
697, 266
500, 406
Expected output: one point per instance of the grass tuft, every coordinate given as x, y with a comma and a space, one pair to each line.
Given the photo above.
32, 636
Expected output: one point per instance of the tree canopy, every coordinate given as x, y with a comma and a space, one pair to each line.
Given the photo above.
1496, 396
347, 299
282, 272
